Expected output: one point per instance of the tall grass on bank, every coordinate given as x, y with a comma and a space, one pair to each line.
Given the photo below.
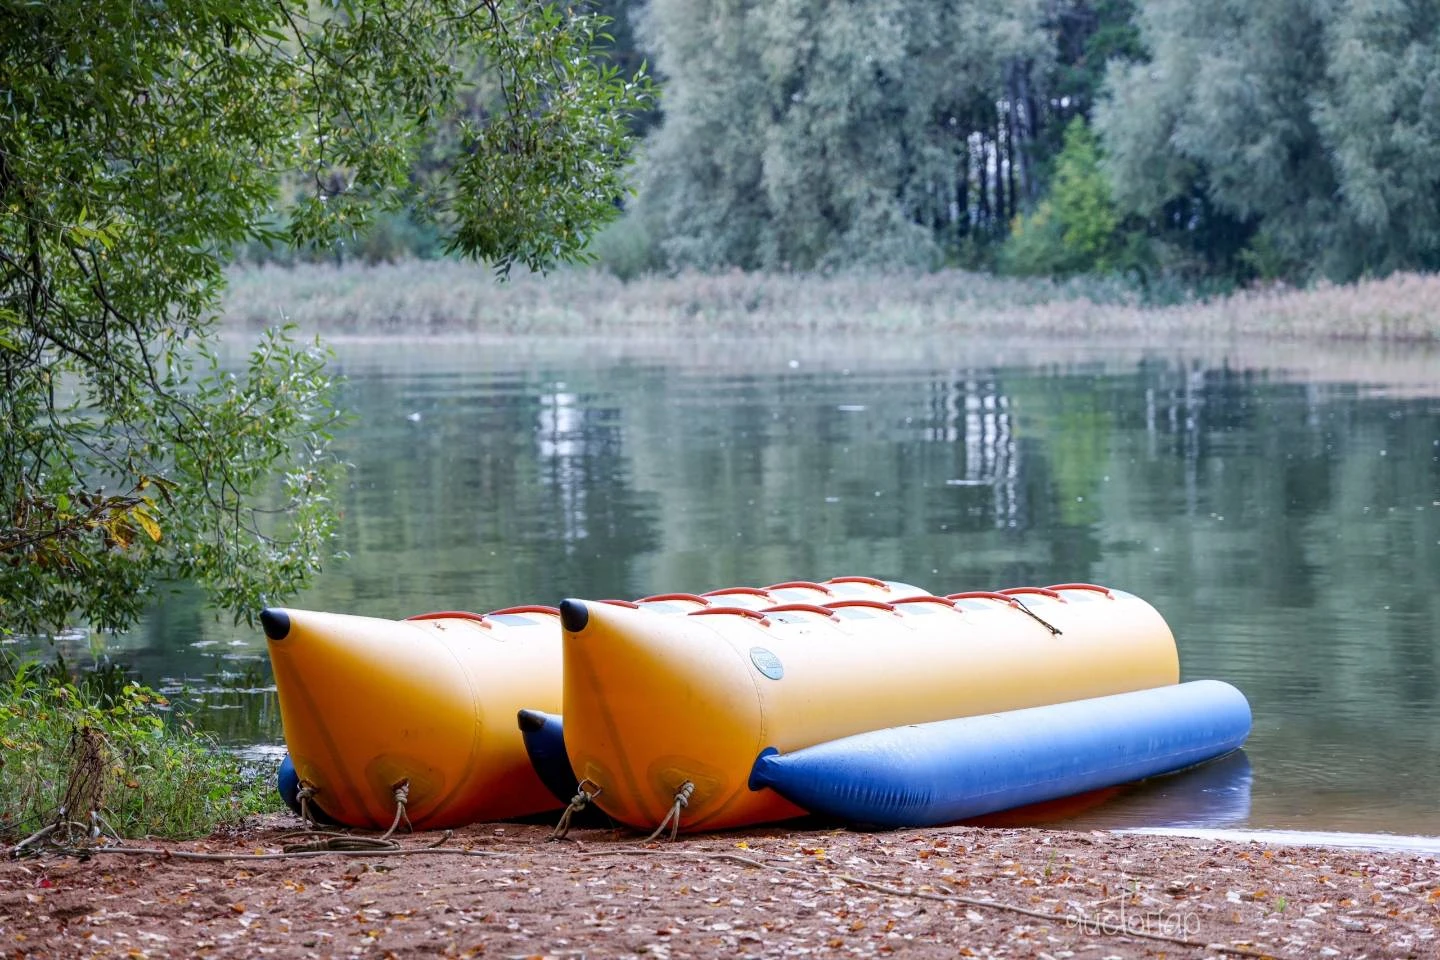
150, 776
443, 297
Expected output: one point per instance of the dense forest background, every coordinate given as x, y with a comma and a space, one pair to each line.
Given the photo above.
1163, 140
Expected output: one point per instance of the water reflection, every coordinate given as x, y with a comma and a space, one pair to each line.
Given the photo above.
1213, 795
1288, 526
976, 415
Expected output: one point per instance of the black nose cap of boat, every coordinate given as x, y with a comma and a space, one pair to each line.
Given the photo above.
574, 615
275, 622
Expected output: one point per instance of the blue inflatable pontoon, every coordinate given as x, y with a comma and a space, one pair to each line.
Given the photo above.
935, 773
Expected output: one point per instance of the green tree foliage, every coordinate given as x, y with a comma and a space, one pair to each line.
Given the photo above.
798, 136
138, 141
1380, 118
1081, 197
623, 50
1314, 123
1087, 37
1076, 229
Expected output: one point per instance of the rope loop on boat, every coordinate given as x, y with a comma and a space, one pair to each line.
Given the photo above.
302, 797
578, 802
402, 796
672, 819
1020, 604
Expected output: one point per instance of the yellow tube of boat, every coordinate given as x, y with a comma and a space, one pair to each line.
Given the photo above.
368, 704
653, 702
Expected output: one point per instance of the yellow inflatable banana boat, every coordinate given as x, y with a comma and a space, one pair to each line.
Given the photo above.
429, 704
657, 707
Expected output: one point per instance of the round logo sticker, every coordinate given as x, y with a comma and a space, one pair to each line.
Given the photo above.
767, 663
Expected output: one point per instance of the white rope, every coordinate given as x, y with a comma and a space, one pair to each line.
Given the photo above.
672, 819
578, 802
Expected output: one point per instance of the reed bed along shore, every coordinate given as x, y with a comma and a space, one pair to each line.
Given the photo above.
443, 297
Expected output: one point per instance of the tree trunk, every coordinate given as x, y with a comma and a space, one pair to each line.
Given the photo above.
1010, 159
962, 196
1000, 200
983, 183
1022, 110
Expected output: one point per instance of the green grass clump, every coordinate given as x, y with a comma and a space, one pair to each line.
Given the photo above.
152, 774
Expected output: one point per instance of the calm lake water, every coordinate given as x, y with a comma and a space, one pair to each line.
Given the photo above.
1282, 512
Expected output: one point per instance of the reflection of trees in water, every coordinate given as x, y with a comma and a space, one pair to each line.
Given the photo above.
975, 414
586, 476
1192, 405
560, 441
480, 489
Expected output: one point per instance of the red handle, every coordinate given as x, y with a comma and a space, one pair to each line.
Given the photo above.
693, 598
449, 615
737, 611
526, 608
1034, 591
732, 591
481, 617
877, 604
940, 600
807, 584
802, 607
1093, 587
983, 595
870, 580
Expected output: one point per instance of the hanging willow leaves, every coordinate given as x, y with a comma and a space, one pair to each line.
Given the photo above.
141, 141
